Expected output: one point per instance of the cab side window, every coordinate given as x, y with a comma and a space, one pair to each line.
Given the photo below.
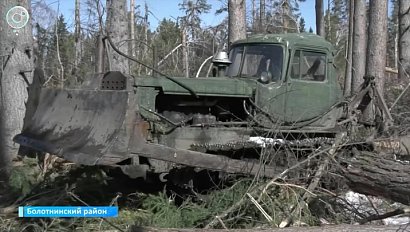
309, 66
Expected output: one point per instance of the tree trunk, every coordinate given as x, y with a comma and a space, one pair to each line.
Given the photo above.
253, 16
359, 44
77, 34
132, 28
320, 24
99, 55
285, 16
145, 48
117, 25
237, 20
348, 73
371, 174
185, 53
16, 74
100, 45
404, 39
262, 16
377, 40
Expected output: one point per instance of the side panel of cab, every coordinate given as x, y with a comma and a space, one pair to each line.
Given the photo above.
312, 88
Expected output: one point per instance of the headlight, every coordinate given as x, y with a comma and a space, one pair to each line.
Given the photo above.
265, 77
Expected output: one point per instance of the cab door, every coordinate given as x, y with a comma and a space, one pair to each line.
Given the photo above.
271, 98
309, 90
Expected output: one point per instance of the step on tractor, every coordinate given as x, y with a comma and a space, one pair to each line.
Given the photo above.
273, 91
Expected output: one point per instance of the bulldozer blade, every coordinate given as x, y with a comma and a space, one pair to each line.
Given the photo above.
88, 127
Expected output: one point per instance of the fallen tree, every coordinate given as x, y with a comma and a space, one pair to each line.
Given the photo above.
376, 175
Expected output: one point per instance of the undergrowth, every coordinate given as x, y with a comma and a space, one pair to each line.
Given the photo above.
161, 208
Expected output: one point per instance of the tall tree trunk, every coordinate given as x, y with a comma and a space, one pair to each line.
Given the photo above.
253, 15
77, 35
185, 53
359, 44
404, 38
132, 28
100, 45
117, 26
262, 16
349, 51
99, 55
145, 48
320, 24
237, 20
285, 16
377, 40
16, 73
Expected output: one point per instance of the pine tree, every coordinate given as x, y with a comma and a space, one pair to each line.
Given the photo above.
193, 10
167, 37
377, 39
15, 75
336, 30
61, 46
302, 25
282, 16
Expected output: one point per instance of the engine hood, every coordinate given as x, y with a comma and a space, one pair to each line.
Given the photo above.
220, 86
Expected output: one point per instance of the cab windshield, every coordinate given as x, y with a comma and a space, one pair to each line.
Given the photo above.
252, 60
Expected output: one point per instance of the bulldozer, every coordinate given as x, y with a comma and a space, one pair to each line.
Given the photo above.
271, 90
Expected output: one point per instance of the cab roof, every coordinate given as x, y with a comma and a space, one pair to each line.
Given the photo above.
292, 39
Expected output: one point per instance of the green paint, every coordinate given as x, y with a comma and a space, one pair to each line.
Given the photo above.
291, 100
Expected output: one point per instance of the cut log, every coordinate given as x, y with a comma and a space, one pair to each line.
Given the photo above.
376, 175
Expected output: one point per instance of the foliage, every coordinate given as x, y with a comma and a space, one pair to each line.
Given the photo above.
25, 176
336, 28
302, 25
191, 21
167, 37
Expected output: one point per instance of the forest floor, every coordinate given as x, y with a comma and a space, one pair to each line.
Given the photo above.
155, 205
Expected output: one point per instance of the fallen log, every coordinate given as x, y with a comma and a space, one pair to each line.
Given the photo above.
377, 175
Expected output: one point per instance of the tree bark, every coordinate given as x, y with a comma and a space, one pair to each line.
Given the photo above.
262, 16
320, 24
253, 15
145, 48
348, 72
285, 16
372, 174
359, 44
404, 38
185, 52
99, 55
77, 34
377, 40
16, 74
100, 45
117, 28
237, 20
132, 28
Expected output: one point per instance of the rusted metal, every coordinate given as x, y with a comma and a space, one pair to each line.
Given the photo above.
82, 126
204, 160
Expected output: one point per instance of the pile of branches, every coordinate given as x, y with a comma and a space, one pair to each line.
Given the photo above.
310, 192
